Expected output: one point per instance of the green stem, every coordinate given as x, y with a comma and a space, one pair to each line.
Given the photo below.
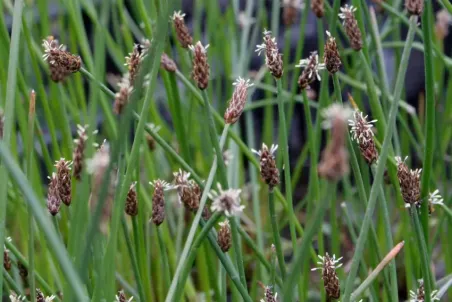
164, 257
276, 236
381, 163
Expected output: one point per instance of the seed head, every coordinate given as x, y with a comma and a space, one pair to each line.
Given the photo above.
269, 296
273, 58
121, 297
123, 95
331, 55
167, 63
41, 298
318, 8
79, 151
419, 294
414, 7
64, 180
224, 236
200, 72
53, 198
133, 62
131, 207
238, 101
362, 133
183, 35
328, 266
227, 201
311, 67
61, 62
351, 26
6, 260
269, 171
334, 162
410, 182
290, 10
158, 201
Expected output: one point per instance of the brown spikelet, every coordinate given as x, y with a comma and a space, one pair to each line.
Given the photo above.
158, 202
362, 133
150, 142
183, 35
131, 207
189, 193
237, 103
200, 72
289, 15
351, 27
269, 171
122, 96
268, 294
331, 55
273, 58
311, 66
330, 279
64, 180
167, 63
334, 161
79, 151
61, 62
23, 271
6, 260
121, 296
318, 8
414, 7
40, 296
224, 239
410, 182
53, 199
133, 61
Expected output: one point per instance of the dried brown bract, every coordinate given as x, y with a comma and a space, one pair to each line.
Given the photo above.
351, 27
61, 62
200, 72
362, 133
328, 267
269, 171
410, 182
183, 35
331, 55
237, 103
273, 58
414, 7
224, 239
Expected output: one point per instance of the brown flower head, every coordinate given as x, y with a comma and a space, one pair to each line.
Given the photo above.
331, 56
311, 66
226, 201
419, 294
334, 162
290, 10
131, 207
351, 26
53, 198
79, 151
414, 7
167, 63
224, 239
200, 72
183, 35
133, 61
269, 171
237, 103
410, 182
362, 133
328, 267
121, 297
61, 62
41, 298
318, 8
158, 201
122, 96
269, 296
273, 58
64, 180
